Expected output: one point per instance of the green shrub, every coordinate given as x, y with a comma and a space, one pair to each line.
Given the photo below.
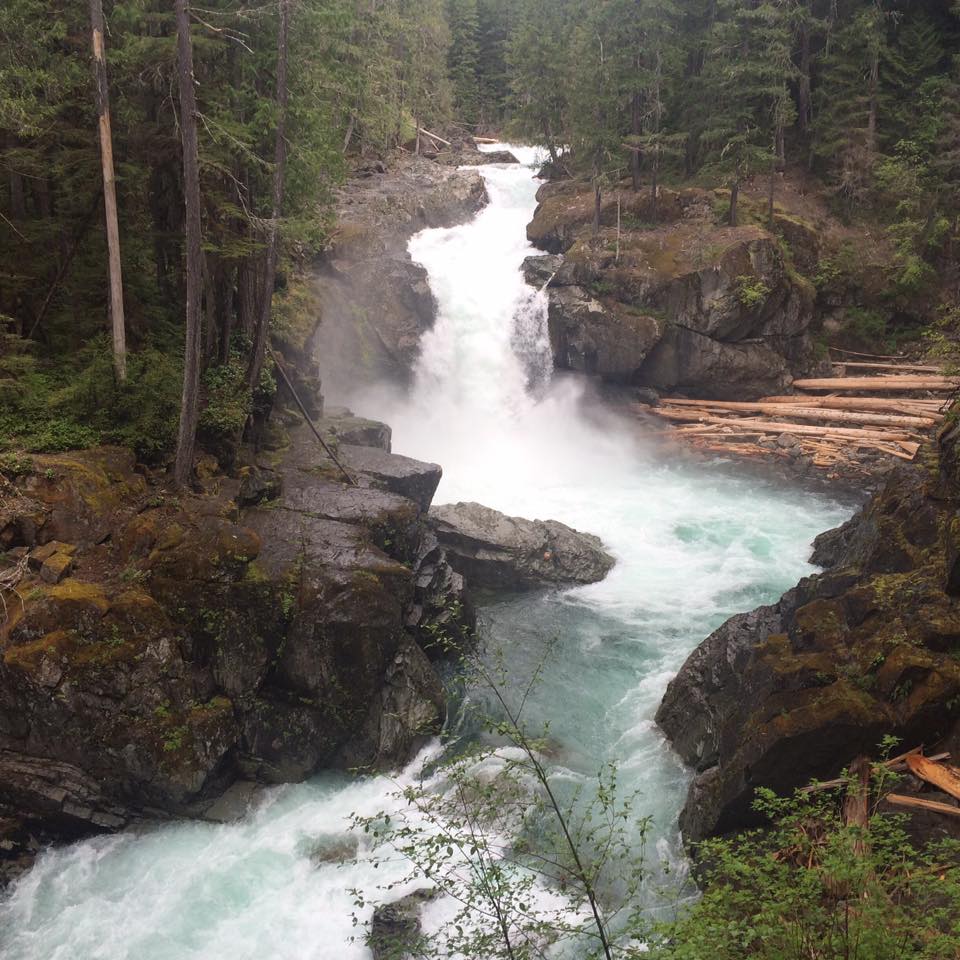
810, 887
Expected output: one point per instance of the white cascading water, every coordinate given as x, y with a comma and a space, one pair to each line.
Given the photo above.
694, 543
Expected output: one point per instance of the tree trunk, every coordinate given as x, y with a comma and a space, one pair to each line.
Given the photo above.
279, 164
597, 203
190, 403
874, 89
771, 184
804, 113
636, 128
109, 191
226, 322
18, 203
734, 196
654, 174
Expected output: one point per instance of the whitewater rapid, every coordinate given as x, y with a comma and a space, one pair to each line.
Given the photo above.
694, 543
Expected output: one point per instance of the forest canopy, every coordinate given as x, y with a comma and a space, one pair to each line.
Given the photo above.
290, 95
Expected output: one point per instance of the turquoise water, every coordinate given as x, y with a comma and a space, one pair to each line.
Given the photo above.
694, 542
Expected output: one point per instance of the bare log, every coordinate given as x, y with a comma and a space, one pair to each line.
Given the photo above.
809, 413
881, 383
939, 774
915, 803
433, 136
798, 429
915, 367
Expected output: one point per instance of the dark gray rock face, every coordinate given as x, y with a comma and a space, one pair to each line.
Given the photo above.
681, 305
497, 552
374, 301
796, 690
258, 632
395, 930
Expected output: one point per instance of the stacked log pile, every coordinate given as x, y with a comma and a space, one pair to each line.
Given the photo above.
834, 423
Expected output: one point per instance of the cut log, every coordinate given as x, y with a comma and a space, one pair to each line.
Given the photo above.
808, 413
882, 383
433, 136
795, 429
939, 774
915, 803
905, 367
905, 405
895, 764
874, 356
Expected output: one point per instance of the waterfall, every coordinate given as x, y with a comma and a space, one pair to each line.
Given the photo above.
694, 544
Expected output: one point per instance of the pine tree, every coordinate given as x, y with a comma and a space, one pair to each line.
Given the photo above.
463, 59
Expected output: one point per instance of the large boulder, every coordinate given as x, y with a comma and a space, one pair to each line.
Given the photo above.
681, 304
497, 552
192, 640
870, 647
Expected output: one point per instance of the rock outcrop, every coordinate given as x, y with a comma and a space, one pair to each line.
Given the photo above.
375, 302
680, 305
870, 647
195, 641
497, 552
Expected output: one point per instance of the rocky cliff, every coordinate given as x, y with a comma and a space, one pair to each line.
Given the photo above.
869, 647
680, 304
156, 648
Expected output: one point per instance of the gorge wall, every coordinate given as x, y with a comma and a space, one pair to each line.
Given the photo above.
672, 300
870, 647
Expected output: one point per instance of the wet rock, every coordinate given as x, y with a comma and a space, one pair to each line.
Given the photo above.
55, 568
599, 337
345, 427
497, 552
680, 304
409, 478
395, 929
795, 690
202, 643
258, 485
332, 848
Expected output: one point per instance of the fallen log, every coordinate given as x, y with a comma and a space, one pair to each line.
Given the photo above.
938, 774
796, 429
874, 356
905, 405
484, 140
915, 803
808, 413
861, 365
433, 136
881, 383
895, 764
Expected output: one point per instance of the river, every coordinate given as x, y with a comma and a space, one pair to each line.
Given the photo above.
694, 543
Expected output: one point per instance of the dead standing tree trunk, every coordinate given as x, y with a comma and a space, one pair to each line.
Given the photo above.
279, 164
109, 191
190, 402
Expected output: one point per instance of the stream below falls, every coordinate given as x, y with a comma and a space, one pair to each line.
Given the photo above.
694, 542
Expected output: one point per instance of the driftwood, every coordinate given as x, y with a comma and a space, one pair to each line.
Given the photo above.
485, 140
802, 412
797, 429
874, 356
905, 405
433, 136
916, 803
913, 367
939, 774
892, 383
895, 764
